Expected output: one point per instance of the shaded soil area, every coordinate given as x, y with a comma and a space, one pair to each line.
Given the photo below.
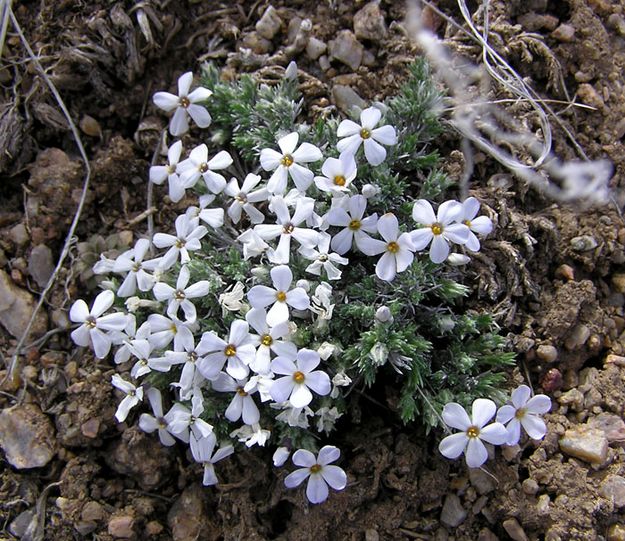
553, 274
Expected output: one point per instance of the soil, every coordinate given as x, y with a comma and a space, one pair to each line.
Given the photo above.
559, 298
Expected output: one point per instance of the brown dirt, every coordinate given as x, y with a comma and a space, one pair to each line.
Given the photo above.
110, 478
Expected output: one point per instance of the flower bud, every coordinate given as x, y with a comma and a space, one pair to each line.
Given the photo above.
370, 190
458, 259
326, 350
383, 315
304, 284
280, 456
259, 272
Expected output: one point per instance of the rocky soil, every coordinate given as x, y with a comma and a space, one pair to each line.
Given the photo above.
554, 274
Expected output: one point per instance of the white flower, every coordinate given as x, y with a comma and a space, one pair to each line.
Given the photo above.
132, 263
370, 190
323, 259
326, 350
384, 315
321, 302
187, 239
341, 379
457, 260
253, 244
198, 165
94, 324
188, 359
202, 451
299, 379
238, 350
368, 134
481, 225
338, 174
251, 435
243, 198
181, 420
179, 296
134, 395
280, 296
211, 216
439, 229
231, 299
398, 249
320, 472
354, 225
150, 423
280, 456
287, 162
287, 227
269, 339
327, 418
242, 404
164, 330
141, 349
524, 412
169, 172
474, 430
121, 338
185, 105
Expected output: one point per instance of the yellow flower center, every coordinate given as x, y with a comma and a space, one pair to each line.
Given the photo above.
288, 229
365, 133
520, 413
339, 180
281, 296
354, 225
315, 468
173, 329
241, 392
90, 322
184, 102
241, 198
392, 247
437, 228
203, 167
467, 223
230, 350
473, 432
171, 169
179, 295
266, 340
287, 160
298, 377
180, 243
323, 258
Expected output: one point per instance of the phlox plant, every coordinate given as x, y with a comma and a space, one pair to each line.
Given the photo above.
310, 261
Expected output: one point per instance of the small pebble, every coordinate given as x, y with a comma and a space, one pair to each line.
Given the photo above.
610, 424
613, 488
90, 126
346, 49
19, 234
542, 506
566, 272
618, 281
564, 33
514, 530
453, 514
346, 98
369, 23
583, 243
552, 380
587, 93
41, 264
315, 48
588, 444
121, 527
269, 24
616, 532
530, 487
547, 353
577, 338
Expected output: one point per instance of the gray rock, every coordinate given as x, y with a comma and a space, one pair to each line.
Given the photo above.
324, 62
16, 308
346, 49
19, 234
486, 535
611, 425
269, 24
315, 48
256, 43
121, 527
547, 353
346, 98
187, 517
613, 488
27, 436
583, 243
514, 529
585, 443
453, 514
530, 487
369, 23
564, 32
41, 264
482, 481
577, 338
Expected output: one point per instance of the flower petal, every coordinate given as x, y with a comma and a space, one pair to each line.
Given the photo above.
454, 445
476, 453
505, 414
327, 455
296, 478
278, 313
334, 476
351, 144
386, 267
199, 94
534, 426
298, 299
456, 416
385, 135
439, 250
288, 143
470, 208
199, 115
317, 489
282, 388
165, 101
261, 296
538, 404
482, 411
388, 227
374, 152
184, 83
301, 176
370, 117
79, 312
301, 396
423, 213
307, 153
521, 395
102, 303
179, 123
269, 159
